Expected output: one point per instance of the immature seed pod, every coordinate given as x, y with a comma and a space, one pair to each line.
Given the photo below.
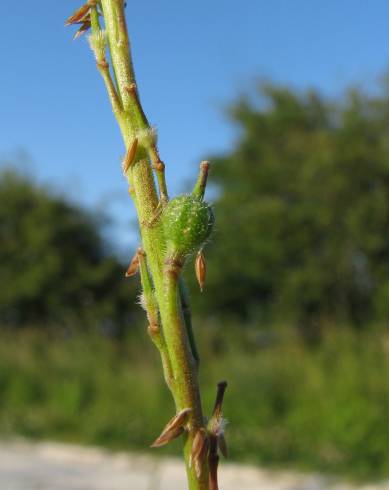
187, 223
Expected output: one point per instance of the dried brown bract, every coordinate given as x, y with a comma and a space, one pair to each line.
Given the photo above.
173, 429
134, 266
199, 453
130, 155
201, 270
79, 16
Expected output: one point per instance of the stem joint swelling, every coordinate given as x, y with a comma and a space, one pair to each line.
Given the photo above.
173, 267
171, 230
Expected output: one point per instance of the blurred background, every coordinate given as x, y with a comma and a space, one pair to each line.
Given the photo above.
291, 105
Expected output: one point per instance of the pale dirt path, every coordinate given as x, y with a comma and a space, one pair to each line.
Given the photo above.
52, 466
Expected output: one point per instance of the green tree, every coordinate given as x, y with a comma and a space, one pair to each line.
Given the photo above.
303, 210
54, 266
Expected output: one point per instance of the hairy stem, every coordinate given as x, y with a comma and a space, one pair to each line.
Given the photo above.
149, 303
184, 367
160, 277
187, 314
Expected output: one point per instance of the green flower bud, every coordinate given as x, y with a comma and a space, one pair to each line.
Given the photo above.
187, 223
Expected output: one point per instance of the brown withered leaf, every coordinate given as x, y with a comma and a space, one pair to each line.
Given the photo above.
78, 17
199, 451
173, 429
133, 267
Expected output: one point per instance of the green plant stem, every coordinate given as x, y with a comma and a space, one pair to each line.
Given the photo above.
187, 314
199, 188
165, 278
117, 108
150, 304
119, 45
184, 367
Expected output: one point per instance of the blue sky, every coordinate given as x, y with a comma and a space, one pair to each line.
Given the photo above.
192, 58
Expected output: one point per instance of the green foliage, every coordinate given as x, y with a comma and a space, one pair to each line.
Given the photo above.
54, 266
303, 210
321, 409
187, 223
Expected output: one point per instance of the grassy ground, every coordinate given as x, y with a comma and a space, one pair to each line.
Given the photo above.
323, 408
